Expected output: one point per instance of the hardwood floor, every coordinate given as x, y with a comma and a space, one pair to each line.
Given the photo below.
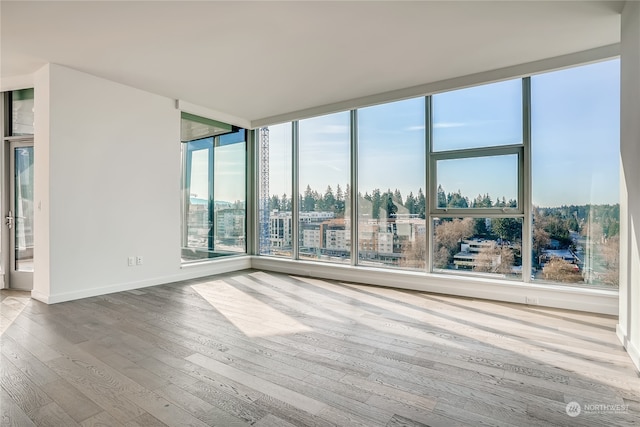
266, 349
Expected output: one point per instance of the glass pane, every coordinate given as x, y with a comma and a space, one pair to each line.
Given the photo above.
198, 212
230, 192
391, 168
481, 246
478, 182
275, 190
23, 208
22, 112
324, 151
480, 116
575, 165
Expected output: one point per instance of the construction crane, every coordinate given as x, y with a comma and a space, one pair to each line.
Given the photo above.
264, 240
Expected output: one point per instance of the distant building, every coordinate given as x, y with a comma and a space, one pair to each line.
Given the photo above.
308, 217
280, 229
323, 233
563, 254
337, 237
469, 256
311, 235
230, 223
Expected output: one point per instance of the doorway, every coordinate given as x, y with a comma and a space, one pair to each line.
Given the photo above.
17, 232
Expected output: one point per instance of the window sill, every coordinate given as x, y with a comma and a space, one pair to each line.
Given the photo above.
602, 301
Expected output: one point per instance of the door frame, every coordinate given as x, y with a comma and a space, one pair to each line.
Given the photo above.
12, 279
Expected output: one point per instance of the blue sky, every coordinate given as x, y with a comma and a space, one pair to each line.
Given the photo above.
229, 178
575, 136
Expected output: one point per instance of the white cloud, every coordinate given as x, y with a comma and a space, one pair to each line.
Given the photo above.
449, 125
334, 129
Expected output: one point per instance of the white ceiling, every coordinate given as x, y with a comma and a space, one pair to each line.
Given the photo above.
256, 60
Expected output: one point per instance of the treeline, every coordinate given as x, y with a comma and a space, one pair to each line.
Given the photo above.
382, 203
457, 200
599, 219
600, 223
379, 203
312, 200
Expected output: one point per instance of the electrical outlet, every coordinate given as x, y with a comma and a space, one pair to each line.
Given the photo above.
532, 300
138, 260
132, 261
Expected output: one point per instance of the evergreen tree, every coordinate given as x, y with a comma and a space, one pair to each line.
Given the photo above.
329, 200
421, 205
274, 203
309, 201
442, 198
482, 201
456, 200
410, 203
339, 200
480, 227
392, 209
397, 197
285, 203
376, 200
507, 228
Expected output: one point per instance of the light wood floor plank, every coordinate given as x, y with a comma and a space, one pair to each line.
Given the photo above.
51, 415
27, 395
103, 419
71, 400
298, 400
11, 414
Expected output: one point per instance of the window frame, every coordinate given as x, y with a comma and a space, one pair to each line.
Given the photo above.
523, 211
186, 167
477, 153
523, 151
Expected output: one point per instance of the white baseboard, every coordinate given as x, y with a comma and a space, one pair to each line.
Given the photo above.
565, 297
40, 297
555, 296
190, 271
632, 348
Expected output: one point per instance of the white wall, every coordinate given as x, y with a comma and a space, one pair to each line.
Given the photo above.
41, 250
108, 186
629, 323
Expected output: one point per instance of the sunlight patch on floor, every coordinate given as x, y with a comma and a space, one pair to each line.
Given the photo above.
250, 315
443, 324
278, 289
10, 309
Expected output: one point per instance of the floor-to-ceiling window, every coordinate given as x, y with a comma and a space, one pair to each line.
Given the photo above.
214, 189
324, 175
275, 189
477, 149
516, 180
391, 181
575, 183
